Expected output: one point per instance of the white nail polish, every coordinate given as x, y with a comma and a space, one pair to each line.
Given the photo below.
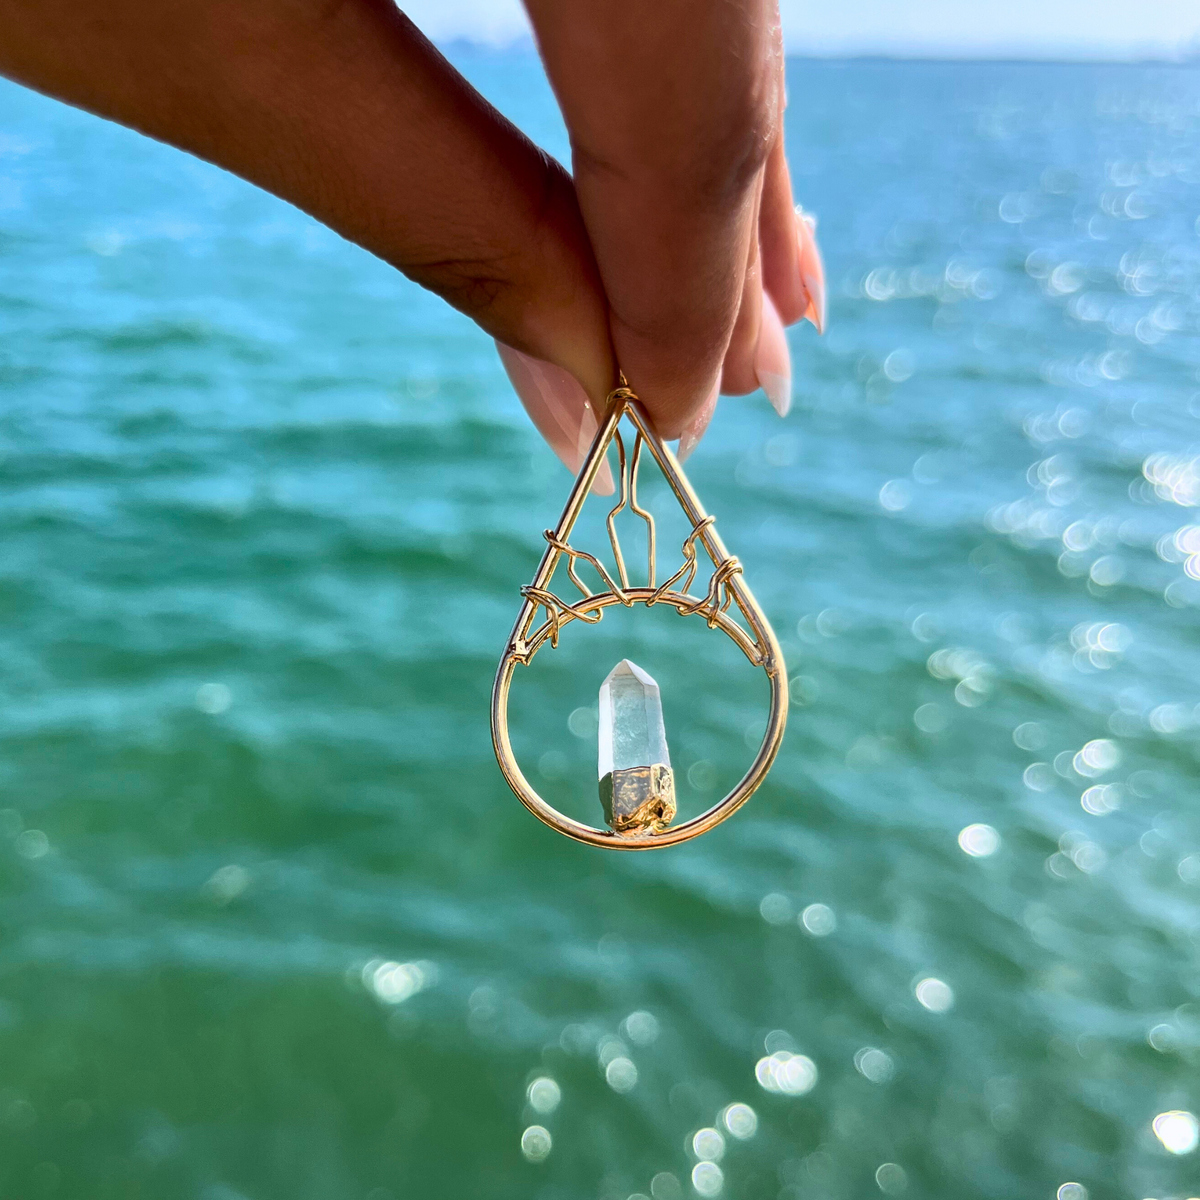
778, 389
587, 432
690, 438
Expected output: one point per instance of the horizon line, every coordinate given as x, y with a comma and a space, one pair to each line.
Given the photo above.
1188, 58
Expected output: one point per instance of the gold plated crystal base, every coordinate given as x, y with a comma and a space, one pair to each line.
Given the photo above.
638, 799
638, 809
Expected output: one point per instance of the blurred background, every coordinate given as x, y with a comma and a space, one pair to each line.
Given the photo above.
273, 925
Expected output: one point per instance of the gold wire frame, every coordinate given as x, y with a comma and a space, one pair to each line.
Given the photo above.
726, 587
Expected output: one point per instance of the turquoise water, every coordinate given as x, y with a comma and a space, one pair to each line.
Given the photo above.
265, 510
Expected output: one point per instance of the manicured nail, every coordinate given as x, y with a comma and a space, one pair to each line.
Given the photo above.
559, 408
690, 438
772, 362
812, 270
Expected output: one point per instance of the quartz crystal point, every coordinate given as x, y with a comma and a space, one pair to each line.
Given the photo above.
637, 788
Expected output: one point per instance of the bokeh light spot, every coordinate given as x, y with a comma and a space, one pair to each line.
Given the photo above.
544, 1095
786, 1073
895, 495
583, 722
641, 1028
708, 1145
775, 908
931, 718
741, 1121
213, 698
707, 1179
874, 1064
32, 843
1178, 1130
621, 1075
536, 1143
1030, 735
664, 1186
934, 994
979, 841
818, 920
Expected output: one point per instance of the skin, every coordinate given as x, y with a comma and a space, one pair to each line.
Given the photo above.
654, 255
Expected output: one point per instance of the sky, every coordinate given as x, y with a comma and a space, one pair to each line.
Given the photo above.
1075, 29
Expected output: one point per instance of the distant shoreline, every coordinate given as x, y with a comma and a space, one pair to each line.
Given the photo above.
1191, 60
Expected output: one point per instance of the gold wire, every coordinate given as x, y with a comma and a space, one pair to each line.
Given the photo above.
638, 442
612, 516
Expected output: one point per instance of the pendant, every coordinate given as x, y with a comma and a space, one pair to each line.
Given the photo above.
636, 784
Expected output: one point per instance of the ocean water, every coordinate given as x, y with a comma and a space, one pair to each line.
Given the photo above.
272, 924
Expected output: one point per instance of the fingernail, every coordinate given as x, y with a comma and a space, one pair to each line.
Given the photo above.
812, 270
689, 439
772, 362
559, 408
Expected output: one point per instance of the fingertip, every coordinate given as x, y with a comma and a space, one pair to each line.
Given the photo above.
603, 484
689, 439
558, 407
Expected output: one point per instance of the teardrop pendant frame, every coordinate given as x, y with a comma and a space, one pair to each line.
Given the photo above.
727, 586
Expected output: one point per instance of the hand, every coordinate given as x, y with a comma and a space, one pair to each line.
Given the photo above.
348, 112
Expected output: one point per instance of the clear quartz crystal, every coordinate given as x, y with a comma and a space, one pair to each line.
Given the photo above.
631, 729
